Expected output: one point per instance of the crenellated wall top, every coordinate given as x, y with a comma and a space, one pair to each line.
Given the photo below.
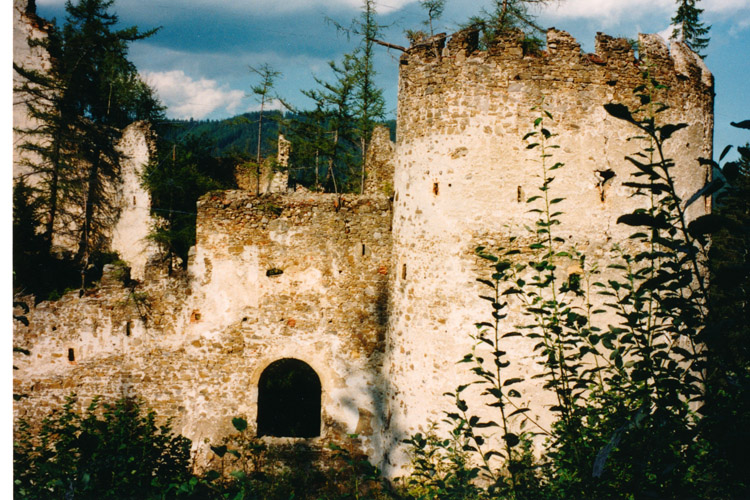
445, 81
562, 49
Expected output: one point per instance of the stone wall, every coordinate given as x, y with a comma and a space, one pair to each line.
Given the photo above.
463, 174
129, 236
379, 164
377, 293
271, 277
26, 25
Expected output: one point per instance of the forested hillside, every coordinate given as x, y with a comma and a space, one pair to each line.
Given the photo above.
238, 134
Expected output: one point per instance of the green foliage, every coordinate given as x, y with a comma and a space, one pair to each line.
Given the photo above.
726, 422
434, 10
326, 137
179, 175
231, 136
81, 102
249, 469
688, 27
35, 271
506, 15
111, 450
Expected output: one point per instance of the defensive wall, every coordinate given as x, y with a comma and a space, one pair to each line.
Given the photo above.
300, 276
376, 293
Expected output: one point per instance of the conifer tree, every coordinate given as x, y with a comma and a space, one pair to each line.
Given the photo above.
176, 178
338, 138
688, 27
434, 9
264, 94
368, 102
81, 103
506, 15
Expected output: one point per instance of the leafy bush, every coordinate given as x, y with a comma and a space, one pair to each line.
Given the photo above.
109, 451
249, 469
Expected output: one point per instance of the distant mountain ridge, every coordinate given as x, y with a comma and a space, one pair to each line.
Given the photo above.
237, 135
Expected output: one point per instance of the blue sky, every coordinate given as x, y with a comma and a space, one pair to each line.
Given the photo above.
198, 61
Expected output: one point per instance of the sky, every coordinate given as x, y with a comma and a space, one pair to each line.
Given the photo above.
199, 59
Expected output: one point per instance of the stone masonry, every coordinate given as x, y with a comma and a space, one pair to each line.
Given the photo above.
376, 292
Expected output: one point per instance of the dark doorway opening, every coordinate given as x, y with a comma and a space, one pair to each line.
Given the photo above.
289, 400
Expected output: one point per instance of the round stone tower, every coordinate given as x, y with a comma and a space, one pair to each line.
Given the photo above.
463, 174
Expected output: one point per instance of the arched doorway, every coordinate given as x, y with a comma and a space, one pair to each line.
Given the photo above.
289, 400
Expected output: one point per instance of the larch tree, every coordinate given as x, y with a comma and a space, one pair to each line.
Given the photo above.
368, 102
81, 103
505, 15
336, 101
264, 94
688, 27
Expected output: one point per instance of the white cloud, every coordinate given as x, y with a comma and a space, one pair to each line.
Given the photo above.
609, 11
723, 5
666, 33
188, 98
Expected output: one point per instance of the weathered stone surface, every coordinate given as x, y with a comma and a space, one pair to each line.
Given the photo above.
377, 296
463, 174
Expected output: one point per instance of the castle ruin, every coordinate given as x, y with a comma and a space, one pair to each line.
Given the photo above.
375, 293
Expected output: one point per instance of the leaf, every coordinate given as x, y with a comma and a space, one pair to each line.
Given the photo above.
705, 224
238, 474
724, 153
643, 219
219, 450
743, 124
511, 439
519, 411
643, 167
706, 191
669, 129
512, 381
620, 111
656, 187
744, 151
239, 423
708, 161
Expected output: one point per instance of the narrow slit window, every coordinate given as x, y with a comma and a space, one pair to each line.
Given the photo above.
71, 354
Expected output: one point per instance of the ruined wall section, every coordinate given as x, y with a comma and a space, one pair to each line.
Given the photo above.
129, 236
463, 175
303, 276
113, 341
271, 277
26, 25
379, 164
